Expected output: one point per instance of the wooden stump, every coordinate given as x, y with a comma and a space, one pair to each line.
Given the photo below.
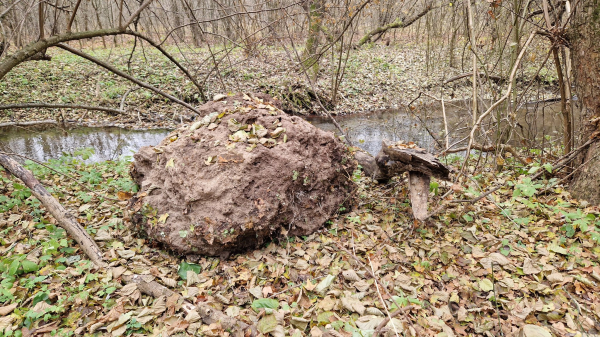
397, 158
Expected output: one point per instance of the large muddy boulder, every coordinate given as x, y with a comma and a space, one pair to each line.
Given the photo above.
237, 177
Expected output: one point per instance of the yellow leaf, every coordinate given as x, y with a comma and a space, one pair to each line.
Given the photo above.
170, 163
163, 218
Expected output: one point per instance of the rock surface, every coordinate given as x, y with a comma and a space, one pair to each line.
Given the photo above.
237, 177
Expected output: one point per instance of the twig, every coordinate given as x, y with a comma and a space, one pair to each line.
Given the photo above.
73, 16
504, 97
207, 313
129, 91
496, 300
381, 298
501, 147
387, 319
134, 15
568, 175
374, 278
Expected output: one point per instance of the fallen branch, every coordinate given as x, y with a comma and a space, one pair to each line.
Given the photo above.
500, 147
208, 314
374, 277
556, 166
63, 218
458, 77
60, 106
172, 59
62, 174
127, 76
32, 123
68, 222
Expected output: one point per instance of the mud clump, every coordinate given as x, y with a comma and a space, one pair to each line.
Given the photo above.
237, 177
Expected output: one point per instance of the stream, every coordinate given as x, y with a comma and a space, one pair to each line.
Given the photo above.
423, 126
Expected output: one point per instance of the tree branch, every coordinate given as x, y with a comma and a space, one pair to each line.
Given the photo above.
41, 45
396, 24
73, 16
127, 76
134, 15
172, 59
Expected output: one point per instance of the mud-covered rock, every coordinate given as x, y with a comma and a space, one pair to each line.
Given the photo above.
237, 177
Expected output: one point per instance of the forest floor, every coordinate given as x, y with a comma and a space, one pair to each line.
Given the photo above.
519, 256
376, 77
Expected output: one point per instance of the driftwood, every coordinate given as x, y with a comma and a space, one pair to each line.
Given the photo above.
32, 123
395, 159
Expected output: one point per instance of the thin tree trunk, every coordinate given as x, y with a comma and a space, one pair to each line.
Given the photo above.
472, 36
63, 218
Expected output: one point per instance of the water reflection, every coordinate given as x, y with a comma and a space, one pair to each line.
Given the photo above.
108, 143
423, 126
535, 124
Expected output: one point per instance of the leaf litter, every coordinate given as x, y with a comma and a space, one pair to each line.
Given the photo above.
515, 261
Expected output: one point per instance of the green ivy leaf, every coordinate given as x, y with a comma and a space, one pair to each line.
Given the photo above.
29, 266
184, 267
267, 303
14, 267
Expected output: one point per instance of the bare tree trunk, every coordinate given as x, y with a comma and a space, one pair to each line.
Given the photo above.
310, 58
586, 70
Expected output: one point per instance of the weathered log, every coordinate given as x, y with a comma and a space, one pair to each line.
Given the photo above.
416, 159
63, 218
207, 313
31, 123
395, 159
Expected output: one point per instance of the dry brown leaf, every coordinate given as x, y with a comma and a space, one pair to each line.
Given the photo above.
7, 309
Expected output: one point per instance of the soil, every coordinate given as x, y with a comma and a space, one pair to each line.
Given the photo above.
236, 178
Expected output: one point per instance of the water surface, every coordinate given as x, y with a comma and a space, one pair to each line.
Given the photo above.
536, 125
108, 143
